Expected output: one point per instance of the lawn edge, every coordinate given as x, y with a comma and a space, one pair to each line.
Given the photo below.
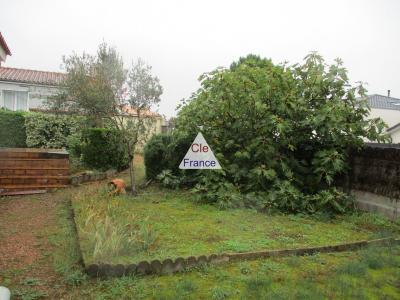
71, 217
168, 266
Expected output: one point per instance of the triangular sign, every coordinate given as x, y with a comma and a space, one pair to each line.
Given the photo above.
199, 156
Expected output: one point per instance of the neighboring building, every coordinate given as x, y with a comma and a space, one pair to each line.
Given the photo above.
388, 109
4, 51
26, 90
155, 126
22, 89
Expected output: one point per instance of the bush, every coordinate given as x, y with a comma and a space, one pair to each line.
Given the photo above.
12, 129
283, 133
103, 149
165, 152
156, 155
168, 180
51, 131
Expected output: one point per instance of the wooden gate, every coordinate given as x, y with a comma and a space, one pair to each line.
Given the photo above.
27, 171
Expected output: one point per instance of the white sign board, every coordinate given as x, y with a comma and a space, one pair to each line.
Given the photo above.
4, 293
199, 156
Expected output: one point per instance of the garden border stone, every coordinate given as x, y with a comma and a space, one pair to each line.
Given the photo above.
89, 176
168, 266
71, 217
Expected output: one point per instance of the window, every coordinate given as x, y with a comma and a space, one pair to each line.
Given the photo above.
9, 99
15, 100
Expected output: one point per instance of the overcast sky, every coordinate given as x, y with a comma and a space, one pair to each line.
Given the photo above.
183, 39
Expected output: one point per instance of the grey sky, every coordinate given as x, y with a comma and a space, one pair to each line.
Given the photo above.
182, 39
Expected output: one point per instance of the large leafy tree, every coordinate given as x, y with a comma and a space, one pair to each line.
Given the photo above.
99, 87
282, 133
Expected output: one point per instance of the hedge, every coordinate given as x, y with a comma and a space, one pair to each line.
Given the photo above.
103, 149
37, 130
51, 131
12, 129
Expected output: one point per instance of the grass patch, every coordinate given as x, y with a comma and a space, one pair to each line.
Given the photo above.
27, 294
67, 257
162, 223
354, 269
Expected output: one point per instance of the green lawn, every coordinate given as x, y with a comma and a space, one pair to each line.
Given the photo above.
368, 274
167, 224
162, 223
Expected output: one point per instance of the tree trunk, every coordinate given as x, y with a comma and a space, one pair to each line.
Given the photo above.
131, 170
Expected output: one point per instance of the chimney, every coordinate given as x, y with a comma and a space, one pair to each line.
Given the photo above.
388, 93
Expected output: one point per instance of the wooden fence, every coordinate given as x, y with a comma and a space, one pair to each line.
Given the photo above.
27, 171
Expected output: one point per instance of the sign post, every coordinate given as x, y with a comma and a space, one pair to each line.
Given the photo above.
199, 156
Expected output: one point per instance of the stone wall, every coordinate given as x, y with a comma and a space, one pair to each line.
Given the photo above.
375, 178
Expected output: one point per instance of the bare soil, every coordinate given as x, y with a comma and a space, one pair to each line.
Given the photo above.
26, 266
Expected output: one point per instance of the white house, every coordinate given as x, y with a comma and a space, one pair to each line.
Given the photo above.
388, 109
25, 90
4, 51
22, 89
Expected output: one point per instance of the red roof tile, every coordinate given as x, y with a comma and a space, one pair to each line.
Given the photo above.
31, 76
3, 44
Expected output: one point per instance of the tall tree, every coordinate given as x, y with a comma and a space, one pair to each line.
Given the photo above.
143, 92
100, 87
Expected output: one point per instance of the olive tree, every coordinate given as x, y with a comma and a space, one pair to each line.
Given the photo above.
143, 92
100, 87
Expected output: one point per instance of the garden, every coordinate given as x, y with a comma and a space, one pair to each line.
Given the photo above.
371, 273
284, 136
161, 223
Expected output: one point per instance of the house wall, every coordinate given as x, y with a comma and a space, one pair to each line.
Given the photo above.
395, 136
390, 116
37, 94
153, 127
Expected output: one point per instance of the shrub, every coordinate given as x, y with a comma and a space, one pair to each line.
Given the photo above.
103, 149
12, 129
168, 180
74, 144
285, 131
165, 152
51, 131
156, 155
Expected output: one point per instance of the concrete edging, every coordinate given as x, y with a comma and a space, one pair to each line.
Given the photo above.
90, 176
169, 266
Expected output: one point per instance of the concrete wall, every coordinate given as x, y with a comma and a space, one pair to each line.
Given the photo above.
375, 179
382, 205
395, 134
37, 94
